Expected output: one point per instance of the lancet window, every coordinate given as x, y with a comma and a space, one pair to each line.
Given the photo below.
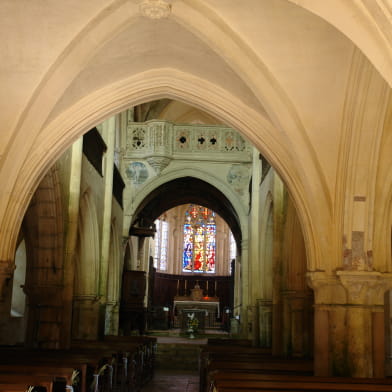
161, 241
233, 250
199, 240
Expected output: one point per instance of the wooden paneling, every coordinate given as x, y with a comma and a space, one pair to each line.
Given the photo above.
167, 286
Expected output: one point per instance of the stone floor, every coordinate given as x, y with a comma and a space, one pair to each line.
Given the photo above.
177, 361
174, 371
168, 380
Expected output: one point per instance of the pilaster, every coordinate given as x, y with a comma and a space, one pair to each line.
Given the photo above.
244, 289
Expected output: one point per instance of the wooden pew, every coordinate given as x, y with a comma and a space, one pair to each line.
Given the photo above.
26, 381
230, 342
135, 357
282, 367
63, 372
222, 380
246, 359
23, 387
54, 362
125, 361
294, 386
131, 357
149, 346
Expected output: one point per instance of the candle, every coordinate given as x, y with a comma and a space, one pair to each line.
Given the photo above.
207, 287
178, 284
215, 287
185, 285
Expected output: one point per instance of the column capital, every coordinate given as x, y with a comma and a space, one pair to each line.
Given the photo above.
350, 287
365, 287
327, 288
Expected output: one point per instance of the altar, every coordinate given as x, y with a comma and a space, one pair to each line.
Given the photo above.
205, 311
210, 305
205, 308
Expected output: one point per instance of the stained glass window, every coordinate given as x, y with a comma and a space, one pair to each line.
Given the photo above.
161, 239
233, 250
199, 240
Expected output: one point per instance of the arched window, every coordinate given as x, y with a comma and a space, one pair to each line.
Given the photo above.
199, 240
233, 250
161, 239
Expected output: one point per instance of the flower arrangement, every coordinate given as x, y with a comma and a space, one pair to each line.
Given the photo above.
193, 323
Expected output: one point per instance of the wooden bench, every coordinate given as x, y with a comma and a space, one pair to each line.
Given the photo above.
149, 346
246, 360
221, 380
84, 363
23, 381
230, 342
124, 362
23, 387
135, 357
295, 386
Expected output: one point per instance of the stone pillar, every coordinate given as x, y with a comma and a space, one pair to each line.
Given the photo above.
265, 322
244, 303
86, 317
45, 319
71, 239
6, 272
253, 324
255, 282
111, 318
109, 136
297, 323
349, 323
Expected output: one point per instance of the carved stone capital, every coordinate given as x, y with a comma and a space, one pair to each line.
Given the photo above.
364, 287
327, 288
155, 9
350, 287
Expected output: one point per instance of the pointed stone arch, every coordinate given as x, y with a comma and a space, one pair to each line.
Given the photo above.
49, 136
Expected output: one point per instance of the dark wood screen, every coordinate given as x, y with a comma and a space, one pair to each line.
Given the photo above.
167, 286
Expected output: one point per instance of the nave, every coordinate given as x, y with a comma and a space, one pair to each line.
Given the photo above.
167, 364
275, 114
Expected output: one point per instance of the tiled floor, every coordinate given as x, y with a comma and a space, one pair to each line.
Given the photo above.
173, 381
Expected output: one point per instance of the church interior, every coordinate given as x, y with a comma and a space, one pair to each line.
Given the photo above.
201, 168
